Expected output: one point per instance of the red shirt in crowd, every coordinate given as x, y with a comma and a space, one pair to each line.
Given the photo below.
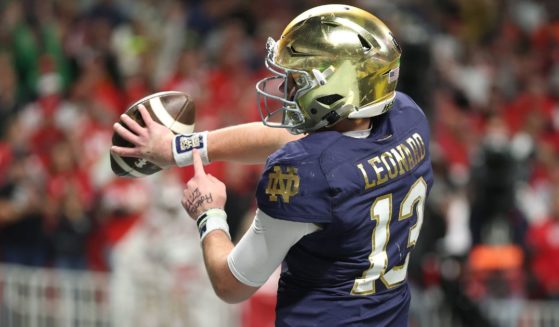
543, 239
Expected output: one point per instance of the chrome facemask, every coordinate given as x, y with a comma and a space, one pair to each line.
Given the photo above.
277, 95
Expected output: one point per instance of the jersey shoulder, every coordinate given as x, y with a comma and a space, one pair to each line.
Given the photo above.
293, 185
412, 131
406, 115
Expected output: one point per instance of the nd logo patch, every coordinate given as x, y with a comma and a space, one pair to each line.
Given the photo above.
284, 184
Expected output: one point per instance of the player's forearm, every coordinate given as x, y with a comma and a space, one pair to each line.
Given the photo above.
216, 247
246, 143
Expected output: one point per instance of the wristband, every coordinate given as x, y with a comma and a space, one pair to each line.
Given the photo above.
183, 144
211, 220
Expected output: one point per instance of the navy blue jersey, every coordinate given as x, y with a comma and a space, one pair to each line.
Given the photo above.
367, 195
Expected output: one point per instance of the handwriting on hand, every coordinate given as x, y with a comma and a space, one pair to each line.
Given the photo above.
196, 200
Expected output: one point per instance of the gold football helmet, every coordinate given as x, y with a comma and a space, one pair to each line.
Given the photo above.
332, 62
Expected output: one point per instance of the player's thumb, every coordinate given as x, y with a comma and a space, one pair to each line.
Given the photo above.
197, 163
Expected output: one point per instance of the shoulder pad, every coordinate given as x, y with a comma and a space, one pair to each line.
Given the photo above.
293, 187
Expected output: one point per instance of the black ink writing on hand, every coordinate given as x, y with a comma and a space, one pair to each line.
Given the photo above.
197, 200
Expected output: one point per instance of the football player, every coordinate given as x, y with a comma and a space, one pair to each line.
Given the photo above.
341, 198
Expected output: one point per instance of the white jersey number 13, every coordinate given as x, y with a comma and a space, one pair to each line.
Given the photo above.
381, 213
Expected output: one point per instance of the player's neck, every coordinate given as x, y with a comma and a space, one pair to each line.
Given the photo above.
348, 125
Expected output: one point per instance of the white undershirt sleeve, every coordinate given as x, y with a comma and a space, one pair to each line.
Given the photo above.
264, 246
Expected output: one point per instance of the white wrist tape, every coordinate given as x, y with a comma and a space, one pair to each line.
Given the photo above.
211, 220
183, 144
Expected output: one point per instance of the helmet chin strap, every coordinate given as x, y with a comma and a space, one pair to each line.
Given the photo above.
374, 109
333, 117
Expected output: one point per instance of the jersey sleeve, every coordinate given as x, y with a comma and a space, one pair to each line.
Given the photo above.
294, 188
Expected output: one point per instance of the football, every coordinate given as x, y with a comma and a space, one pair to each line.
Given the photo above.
173, 109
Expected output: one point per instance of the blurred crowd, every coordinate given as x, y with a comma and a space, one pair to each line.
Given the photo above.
486, 73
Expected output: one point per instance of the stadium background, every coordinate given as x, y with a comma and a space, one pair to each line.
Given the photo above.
80, 247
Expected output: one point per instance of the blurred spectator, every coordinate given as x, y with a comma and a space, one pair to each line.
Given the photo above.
69, 201
8, 91
543, 244
163, 243
189, 76
70, 234
122, 203
37, 48
494, 179
23, 237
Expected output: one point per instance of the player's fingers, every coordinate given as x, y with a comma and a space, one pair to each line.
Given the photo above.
197, 163
126, 152
132, 124
126, 134
145, 115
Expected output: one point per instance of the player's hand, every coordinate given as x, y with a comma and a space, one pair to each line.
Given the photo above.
152, 142
203, 191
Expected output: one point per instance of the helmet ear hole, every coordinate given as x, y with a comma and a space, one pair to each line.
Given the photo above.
366, 45
329, 99
314, 111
